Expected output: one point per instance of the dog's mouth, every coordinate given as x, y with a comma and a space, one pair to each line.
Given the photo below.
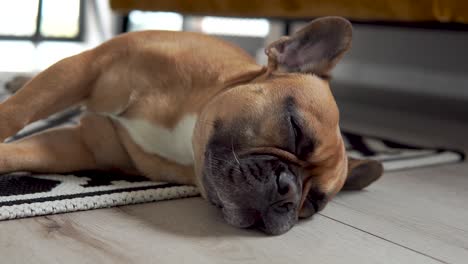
269, 222
265, 201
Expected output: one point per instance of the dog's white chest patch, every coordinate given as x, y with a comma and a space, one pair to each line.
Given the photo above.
173, 144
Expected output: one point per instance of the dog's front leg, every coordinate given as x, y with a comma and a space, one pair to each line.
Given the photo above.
91, 145
56, 150
64, 84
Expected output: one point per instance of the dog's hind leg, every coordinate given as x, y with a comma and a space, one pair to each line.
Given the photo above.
66, 83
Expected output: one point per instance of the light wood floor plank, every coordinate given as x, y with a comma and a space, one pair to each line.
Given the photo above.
424, 210
186, 231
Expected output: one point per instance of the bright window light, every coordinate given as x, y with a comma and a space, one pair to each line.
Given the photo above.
235, 26
18, 17
24, 56
49, 52
60, 18
155, 20
16, 56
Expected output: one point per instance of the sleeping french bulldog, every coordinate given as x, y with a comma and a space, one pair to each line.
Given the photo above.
261, 142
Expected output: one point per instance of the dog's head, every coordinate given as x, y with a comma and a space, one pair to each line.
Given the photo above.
271, 151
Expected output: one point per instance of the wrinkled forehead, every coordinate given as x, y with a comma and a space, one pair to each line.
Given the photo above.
259, 109
311, 96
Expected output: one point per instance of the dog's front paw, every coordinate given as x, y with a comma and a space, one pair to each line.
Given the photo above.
16, 83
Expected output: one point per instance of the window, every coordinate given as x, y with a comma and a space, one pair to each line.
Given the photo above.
140, 20
36, 33
247, 33
246, 27
242, 27
39, 20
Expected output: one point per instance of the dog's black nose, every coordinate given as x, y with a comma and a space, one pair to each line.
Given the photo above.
288, 193
285, 183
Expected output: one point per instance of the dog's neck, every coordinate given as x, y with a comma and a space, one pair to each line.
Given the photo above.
251, 74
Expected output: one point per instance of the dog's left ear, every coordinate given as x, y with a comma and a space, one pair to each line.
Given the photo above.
361, 173
314, 49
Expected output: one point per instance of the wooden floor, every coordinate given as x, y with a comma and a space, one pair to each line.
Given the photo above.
413, 216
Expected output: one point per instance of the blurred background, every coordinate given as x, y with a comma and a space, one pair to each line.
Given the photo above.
409, 58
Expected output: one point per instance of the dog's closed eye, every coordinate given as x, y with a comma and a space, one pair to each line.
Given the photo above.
295, 134
300, 143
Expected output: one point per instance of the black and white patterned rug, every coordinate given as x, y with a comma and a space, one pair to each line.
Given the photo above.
397, 156
25, 195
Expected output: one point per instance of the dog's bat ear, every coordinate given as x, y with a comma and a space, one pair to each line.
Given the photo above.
315, 49
361, 173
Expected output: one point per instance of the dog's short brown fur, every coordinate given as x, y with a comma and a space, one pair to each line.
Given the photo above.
261, 142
